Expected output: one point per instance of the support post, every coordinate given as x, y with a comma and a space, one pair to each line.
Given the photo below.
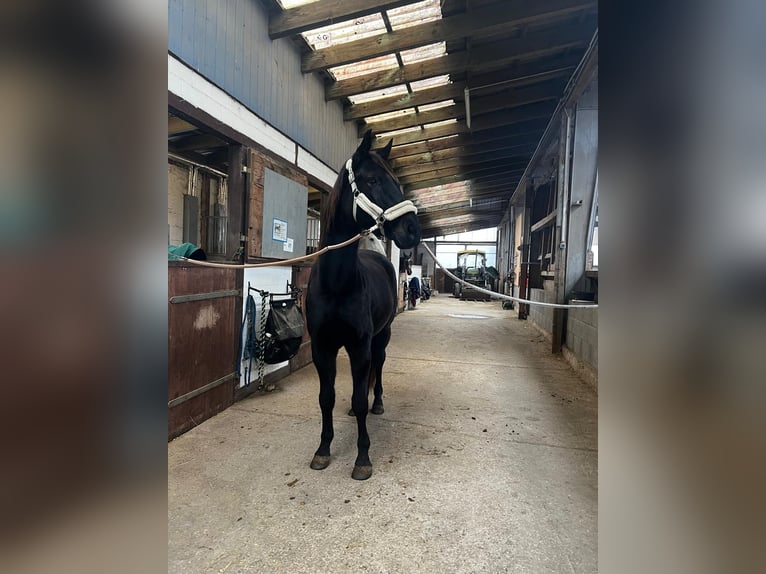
561, 236
237, 203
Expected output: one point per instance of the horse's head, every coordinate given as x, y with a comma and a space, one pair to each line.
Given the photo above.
378, 197
405, 262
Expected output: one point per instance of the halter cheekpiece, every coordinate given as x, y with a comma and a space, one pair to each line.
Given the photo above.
380, 216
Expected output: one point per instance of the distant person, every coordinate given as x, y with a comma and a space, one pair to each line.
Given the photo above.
414, 291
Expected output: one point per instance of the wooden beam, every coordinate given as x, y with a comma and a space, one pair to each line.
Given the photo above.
440, 203
483, 122
465, 170
527, 132
505, 100
511, 178
429, 158
489, 56
500, 155
549, 219
317, 14
488, 19
450, 225
428, 196
444, 229
449, 91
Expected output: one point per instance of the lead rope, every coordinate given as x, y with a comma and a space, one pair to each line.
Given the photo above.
262, 339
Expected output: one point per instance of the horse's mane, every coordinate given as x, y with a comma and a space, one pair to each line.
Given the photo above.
330, 207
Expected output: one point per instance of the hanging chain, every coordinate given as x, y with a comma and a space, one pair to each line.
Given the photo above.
262, 340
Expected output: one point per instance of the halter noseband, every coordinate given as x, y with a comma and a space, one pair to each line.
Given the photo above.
380, 216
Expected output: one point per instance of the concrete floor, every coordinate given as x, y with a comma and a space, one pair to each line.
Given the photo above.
484, 461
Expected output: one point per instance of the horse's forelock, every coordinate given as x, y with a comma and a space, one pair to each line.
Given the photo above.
382, 163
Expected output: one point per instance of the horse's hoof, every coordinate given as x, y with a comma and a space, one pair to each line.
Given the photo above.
361, 472
351, 413
377, 409
320, 462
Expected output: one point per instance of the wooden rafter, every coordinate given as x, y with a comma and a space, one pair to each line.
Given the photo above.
489, 56
467, 171
429, 158
506, 100
506, 156
509, 177
301, 18
483, 122
499, 17
526, 132
449, 91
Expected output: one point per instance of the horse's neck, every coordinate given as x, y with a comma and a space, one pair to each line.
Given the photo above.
339, 269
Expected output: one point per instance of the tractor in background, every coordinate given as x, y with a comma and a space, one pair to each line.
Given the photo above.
472, 268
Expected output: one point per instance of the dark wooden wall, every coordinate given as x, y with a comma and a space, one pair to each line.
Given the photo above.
202, 343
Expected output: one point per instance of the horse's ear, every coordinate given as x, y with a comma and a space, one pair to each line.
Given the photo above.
386, 150
364, 148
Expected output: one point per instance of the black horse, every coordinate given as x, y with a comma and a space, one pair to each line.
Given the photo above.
351, 295
405, 262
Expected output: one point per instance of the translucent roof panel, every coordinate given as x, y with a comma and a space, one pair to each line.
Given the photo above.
399, 90
442, 123
430, 83
387, 62
423, 53
414, 14
390, 115
398, 132
436, 106
287, 4
347, 31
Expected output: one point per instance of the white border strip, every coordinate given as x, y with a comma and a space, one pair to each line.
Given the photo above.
311, 164
203, 94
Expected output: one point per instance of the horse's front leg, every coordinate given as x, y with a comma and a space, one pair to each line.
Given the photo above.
360, 358
324, 361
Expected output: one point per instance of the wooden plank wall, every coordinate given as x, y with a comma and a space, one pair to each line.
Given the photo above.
202, 343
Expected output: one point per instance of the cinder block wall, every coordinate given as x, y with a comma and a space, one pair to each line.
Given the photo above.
582, 335
542, 316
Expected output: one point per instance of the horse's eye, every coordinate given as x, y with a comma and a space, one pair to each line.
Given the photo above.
372, 180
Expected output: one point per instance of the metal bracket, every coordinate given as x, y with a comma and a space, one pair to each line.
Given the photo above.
201, 390
204, 296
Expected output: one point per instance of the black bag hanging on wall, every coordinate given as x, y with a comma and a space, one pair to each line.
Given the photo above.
284, 331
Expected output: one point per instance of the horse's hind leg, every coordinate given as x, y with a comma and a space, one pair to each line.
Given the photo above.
379, 344
324, 361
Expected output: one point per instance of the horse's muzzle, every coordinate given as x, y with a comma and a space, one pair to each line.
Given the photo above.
405, 231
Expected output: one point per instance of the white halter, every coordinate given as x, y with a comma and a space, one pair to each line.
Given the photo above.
365, 204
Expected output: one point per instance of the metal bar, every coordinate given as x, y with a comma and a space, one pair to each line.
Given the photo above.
181, 159
195, 393
545, 221
203, 296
